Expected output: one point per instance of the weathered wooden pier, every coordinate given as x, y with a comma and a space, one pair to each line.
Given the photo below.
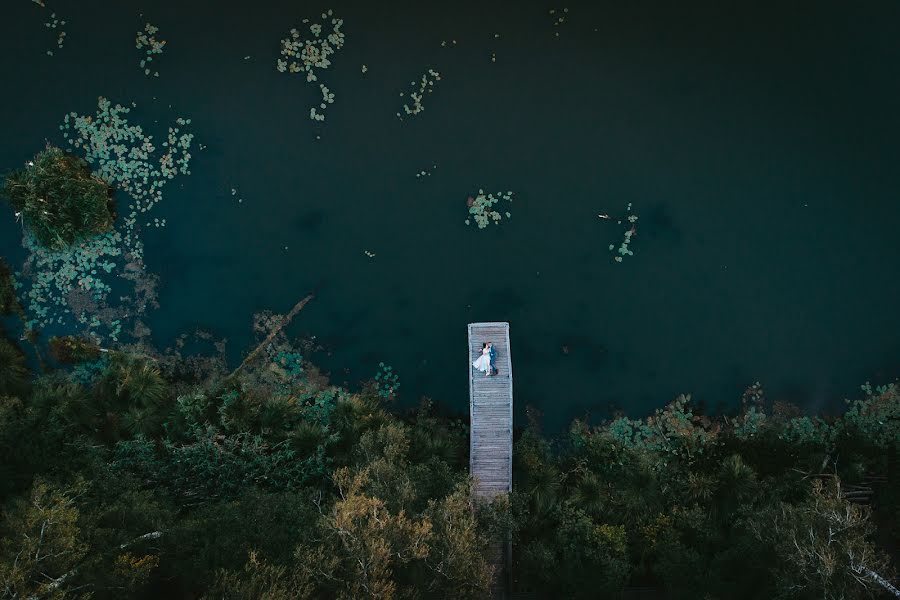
490, 432
490, 410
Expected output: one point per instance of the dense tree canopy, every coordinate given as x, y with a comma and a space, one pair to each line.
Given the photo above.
133, 473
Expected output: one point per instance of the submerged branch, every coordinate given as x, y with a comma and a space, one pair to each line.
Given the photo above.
284, 322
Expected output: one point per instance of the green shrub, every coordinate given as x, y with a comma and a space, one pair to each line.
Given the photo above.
70, 350
13, 370
8, 302
58, 198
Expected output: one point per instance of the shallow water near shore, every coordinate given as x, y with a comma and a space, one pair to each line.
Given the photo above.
758, 144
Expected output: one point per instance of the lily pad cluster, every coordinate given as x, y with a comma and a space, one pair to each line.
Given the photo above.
426, 172
877, 390
327, 98
146, 40
311, 52
76, 282
56, 25
55, 274
425, 84
387, 381
559, 17
307, 55
484, 208
126, 158
624, 249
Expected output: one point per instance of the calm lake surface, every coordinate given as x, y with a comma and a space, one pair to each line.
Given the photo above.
759, 145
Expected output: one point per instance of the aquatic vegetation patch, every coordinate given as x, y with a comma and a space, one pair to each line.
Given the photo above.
314, 52
88, 372
77, 282
876, 418
290, 362
58, 199
146, 40
426, 172
56, 25
125, 157
425, 85
281, 368
207, 362
559, 17
54, 274
311, 52
624, 249
483, 208
493, 53
327, 98
387, 382
889, 388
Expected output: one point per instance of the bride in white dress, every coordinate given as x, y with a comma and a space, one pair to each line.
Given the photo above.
483, 362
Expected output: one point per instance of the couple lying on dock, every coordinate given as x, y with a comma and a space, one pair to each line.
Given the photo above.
485, 362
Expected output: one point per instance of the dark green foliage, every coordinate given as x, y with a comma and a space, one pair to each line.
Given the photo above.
59, 200
822, 545
70, 350
707, 507
578, 558
220, 535
257, 579
40, 540
8, 301
33, 433
133, 396
280, 486
14, 468
216, 467
13, 370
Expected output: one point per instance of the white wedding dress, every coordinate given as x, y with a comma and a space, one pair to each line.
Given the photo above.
483, 363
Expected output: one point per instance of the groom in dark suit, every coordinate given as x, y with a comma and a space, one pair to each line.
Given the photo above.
493, 354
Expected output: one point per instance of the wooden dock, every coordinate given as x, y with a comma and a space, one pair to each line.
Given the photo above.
490, 435
490, 413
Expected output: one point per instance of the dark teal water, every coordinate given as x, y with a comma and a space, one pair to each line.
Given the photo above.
759, 144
